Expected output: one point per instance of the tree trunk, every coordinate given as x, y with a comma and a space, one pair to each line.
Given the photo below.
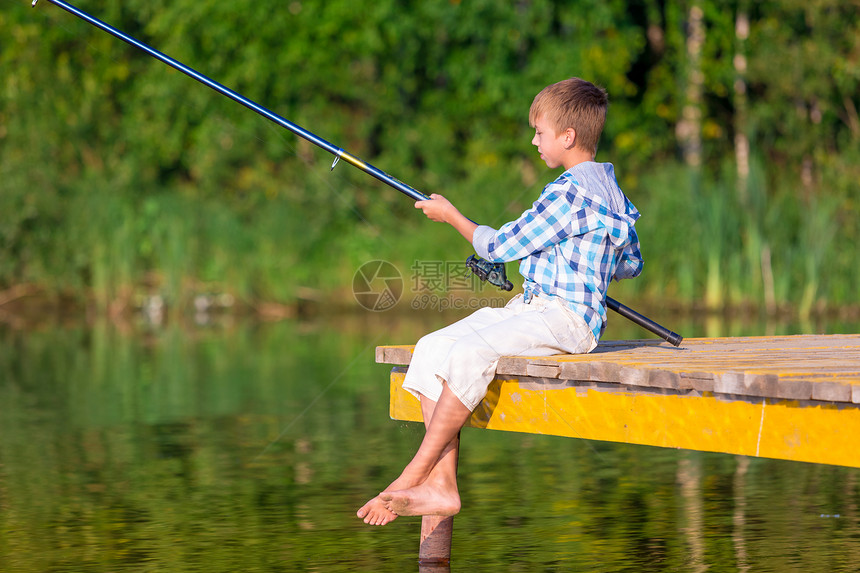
689, 128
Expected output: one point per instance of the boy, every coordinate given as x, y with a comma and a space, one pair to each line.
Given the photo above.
576, 237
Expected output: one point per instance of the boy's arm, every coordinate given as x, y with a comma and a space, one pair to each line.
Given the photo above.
439, 209
550, 220
630, 262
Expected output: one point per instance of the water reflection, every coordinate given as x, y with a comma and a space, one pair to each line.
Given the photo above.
739, 517
247, 446
690, 480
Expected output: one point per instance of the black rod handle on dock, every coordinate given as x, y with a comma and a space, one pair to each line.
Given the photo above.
672, 337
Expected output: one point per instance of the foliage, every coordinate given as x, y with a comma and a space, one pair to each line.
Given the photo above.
122, 177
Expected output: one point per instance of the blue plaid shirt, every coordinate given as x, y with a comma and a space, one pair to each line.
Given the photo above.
574, 240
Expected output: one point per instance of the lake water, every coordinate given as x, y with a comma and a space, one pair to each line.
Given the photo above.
248, 446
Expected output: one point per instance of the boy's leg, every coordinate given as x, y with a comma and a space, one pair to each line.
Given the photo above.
541, 329
432, 473
432, 351
441, 478
421, 380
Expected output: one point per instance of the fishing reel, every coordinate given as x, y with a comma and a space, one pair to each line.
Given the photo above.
494, 273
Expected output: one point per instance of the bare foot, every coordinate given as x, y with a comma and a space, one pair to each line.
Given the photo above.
374, 512
424, 499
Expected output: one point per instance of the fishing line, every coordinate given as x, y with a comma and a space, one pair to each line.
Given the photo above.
328, 184
316, 399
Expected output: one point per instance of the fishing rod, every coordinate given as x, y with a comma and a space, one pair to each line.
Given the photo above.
485, 270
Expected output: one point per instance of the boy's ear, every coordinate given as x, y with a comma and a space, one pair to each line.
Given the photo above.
570, 137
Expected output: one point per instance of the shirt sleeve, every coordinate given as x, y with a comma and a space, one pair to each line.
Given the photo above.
630, 263
550, 220
481, 240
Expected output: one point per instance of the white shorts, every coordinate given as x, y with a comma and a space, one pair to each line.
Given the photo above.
465, 354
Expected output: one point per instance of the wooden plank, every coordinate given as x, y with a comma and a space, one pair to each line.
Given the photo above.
512, 365
538, 370
401, 354
831, 391
799, 367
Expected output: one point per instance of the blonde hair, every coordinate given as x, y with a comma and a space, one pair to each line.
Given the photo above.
574, 103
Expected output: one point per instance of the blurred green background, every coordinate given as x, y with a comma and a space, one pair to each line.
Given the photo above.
733, 126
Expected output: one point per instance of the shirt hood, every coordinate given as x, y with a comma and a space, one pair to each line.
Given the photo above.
602, 186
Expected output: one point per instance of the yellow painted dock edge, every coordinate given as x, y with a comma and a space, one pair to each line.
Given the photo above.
763, 427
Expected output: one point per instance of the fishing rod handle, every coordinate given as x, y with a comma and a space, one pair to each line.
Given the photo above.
672, 338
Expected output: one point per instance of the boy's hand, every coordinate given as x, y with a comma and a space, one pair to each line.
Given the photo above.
439, 209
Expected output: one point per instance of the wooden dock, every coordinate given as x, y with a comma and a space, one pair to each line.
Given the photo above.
785, 397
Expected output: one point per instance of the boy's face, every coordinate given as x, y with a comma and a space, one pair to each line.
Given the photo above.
551, 146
